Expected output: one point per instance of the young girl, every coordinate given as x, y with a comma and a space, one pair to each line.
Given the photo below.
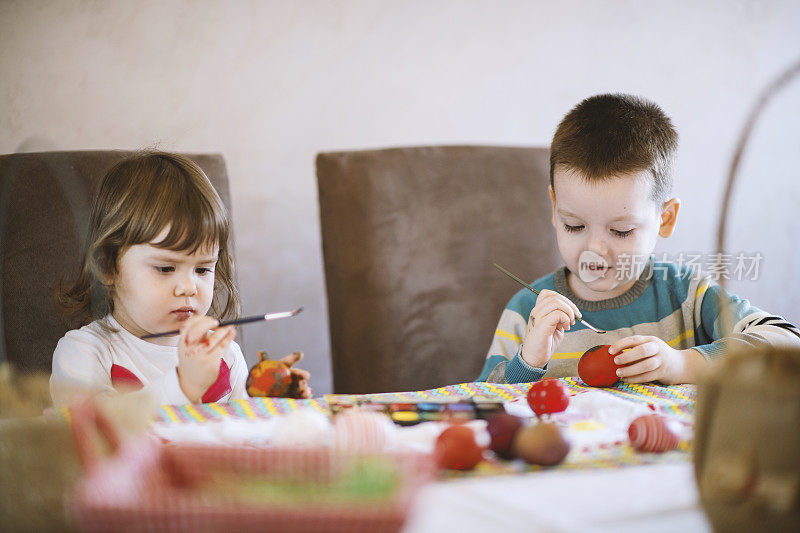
157, 260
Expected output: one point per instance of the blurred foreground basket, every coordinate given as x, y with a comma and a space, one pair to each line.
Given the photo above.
747, 441
38, 466
38, 463
153, 487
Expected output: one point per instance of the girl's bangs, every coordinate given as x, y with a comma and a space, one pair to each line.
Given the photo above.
191, 231
195, 217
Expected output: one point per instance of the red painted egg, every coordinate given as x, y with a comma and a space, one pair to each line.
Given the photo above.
456, 449
650, 433
502, 428
548, 396
541, 444
269, 378
597, 367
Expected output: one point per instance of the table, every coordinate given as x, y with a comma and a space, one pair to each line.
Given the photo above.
599, 487
656, 497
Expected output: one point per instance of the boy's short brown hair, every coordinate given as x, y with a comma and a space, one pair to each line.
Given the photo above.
611, 134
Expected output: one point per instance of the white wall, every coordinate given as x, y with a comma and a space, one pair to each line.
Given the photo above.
269, 84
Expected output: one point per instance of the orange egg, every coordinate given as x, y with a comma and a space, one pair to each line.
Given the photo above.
456, 449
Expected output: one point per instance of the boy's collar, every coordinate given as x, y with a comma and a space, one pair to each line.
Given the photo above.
629, 296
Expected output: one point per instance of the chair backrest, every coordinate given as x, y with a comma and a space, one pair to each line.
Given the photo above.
45, 201
409, 236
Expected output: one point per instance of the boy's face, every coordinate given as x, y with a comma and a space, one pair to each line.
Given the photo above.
156, 289
606, 230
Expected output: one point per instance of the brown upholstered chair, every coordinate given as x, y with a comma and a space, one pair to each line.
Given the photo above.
45, 201
409, 236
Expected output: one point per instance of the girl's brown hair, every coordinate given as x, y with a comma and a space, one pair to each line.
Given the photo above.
137, 199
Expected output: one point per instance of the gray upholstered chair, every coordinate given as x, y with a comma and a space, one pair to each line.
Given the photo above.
409, 236
45, 200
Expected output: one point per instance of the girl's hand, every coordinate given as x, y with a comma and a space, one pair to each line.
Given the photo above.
649, 358
300, 377
549, 319
199, 354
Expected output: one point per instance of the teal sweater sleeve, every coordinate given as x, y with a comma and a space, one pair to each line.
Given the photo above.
503, 362
514, 371
727, 321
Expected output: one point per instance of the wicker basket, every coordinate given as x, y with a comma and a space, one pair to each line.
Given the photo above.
149, 486
747, 441
38, 466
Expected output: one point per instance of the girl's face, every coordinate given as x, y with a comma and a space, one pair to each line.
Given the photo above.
156, 289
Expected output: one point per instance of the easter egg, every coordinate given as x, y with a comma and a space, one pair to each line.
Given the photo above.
269, 378
457, 449
362, 431
548, 396
651, 433
597, 367
502, 428
540, 444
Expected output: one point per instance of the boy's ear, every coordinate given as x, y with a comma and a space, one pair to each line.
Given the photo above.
669, 217
553, 201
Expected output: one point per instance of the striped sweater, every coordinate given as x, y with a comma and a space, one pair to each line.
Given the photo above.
675, 304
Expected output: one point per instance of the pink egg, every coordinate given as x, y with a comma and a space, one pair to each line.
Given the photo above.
650, 433
366, 431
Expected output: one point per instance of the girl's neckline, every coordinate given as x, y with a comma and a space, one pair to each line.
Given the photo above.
112, 322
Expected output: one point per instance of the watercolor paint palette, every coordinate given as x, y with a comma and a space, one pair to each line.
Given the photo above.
433, 410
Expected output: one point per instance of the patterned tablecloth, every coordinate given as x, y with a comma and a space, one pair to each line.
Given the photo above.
676, 401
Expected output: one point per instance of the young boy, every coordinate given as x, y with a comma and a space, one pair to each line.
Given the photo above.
610, 179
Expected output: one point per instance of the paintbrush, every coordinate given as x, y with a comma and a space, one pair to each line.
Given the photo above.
243, 320
515, 278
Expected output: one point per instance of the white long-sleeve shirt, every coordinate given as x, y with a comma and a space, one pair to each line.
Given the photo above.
92, 359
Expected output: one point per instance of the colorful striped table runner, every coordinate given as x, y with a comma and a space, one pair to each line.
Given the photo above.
676, 400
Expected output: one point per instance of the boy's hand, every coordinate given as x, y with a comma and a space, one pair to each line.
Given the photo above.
649, 358
199, 354
552, 315
300, 377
